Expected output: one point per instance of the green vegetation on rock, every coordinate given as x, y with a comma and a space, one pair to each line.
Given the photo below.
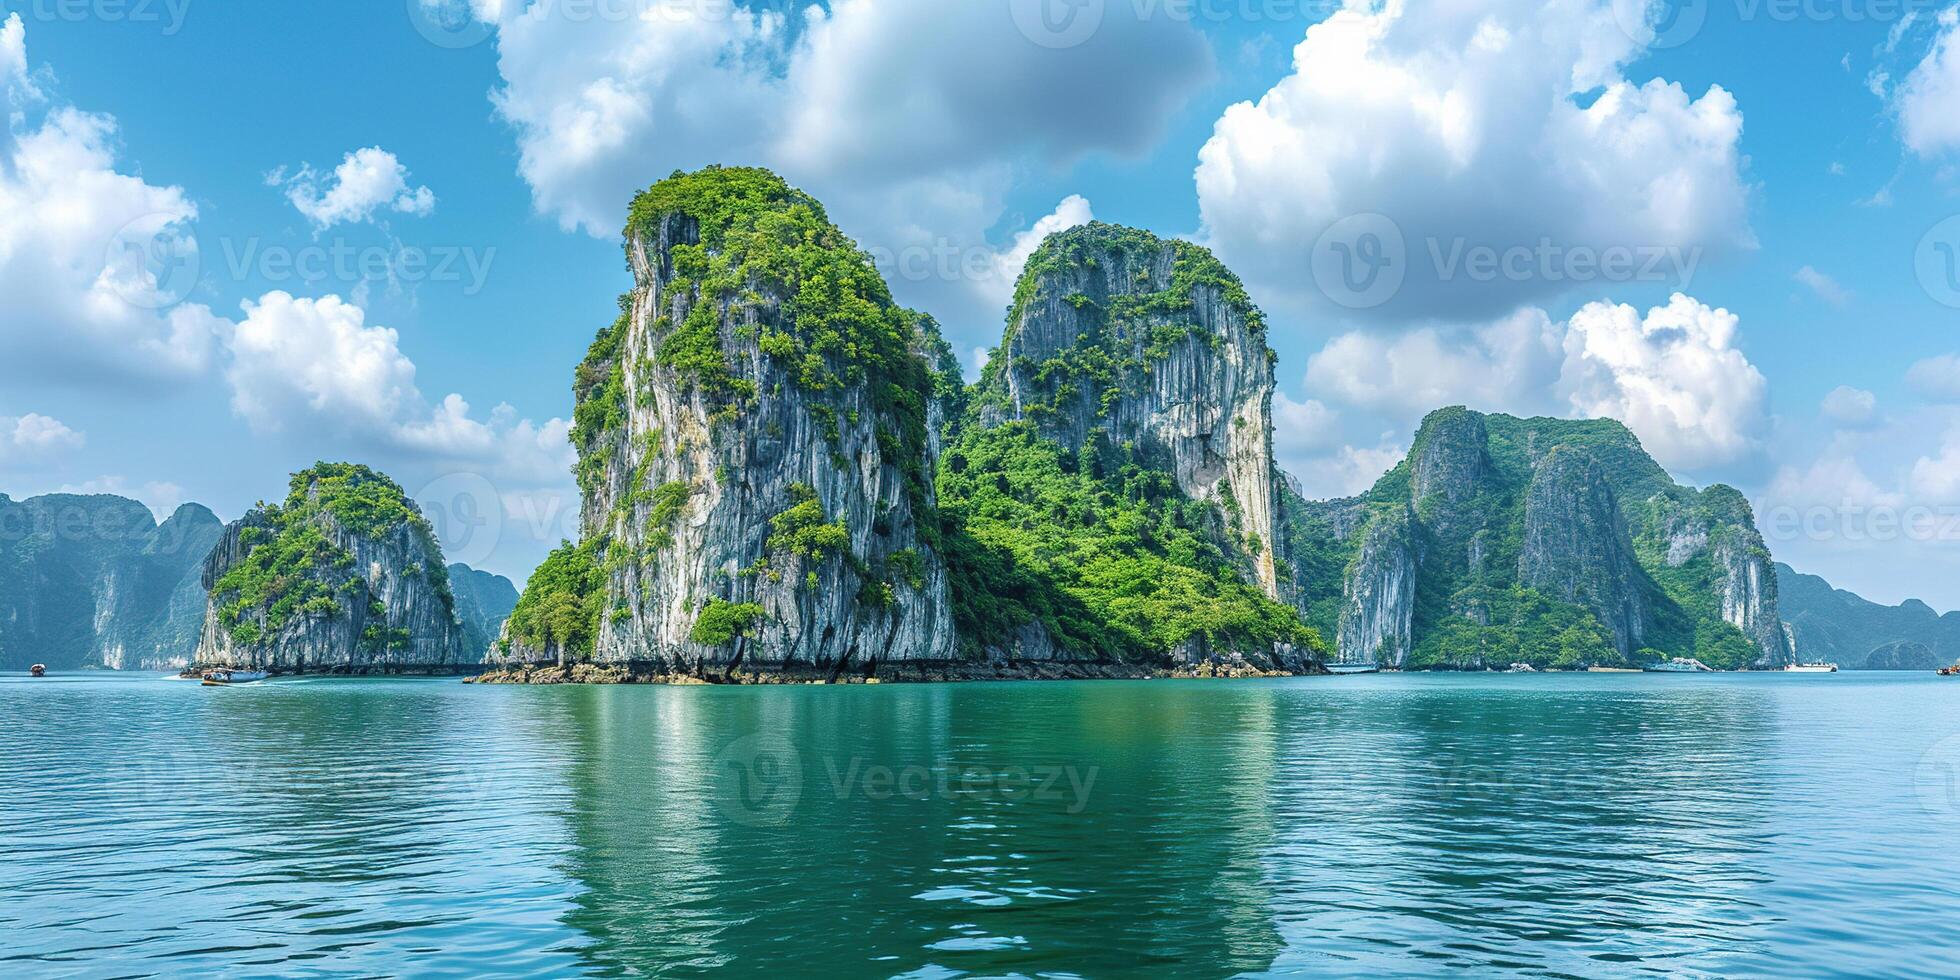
561, 604
1106, 553
293, 564
722, 621
1126, 329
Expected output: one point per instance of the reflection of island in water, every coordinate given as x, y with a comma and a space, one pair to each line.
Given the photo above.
933, 827
1550, 826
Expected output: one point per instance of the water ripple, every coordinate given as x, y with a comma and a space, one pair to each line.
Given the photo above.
1543, 825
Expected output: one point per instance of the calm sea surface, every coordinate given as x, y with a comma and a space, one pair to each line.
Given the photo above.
1390, 825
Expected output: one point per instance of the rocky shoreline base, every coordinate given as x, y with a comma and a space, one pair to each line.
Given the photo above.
370, 670
892, 673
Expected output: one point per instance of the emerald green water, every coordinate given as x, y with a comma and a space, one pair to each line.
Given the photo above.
1580, 825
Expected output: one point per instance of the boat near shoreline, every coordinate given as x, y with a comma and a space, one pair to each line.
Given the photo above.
1354, 668
1811, 668
226, 678
1678, 665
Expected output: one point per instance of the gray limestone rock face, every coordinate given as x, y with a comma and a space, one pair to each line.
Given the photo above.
1147, 341
699, 495
1378, 607
1576, 547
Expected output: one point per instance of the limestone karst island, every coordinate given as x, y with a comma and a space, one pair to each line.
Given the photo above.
941, 489
783, 477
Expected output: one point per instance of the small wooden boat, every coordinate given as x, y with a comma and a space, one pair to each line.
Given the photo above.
1953, 671
38, 670
1353, 668
226, 678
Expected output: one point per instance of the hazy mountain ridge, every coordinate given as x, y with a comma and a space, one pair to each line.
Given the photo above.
93, 581
1832, 625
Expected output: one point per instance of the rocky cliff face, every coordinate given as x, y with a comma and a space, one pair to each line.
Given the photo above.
1111, 493
344, 576
1576, 548
1556, 542
1713, 535
483, 602
94, 581
1379, 598
1120, 335
755, 454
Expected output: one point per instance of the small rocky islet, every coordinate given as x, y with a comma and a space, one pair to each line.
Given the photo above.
784, 478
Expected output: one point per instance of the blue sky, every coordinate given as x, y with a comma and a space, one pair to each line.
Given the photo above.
1795, 156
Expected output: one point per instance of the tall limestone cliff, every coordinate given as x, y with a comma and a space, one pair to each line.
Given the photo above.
95, 581
755, 452
1576, 548
1118, 335
344, 576
1554, 542
1111, 493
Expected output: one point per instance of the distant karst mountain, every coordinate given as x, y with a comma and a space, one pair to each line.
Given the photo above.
483, 601
94, 581
1552, 542
1832, 625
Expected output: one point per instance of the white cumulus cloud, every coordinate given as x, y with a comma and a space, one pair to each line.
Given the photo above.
90, 256
1510, 365
1509, 126
1674, 376
34, 436
1826, 288
317, 366
1937, 378
1074, 211
367, 181
1928, 101
911, 119
1852, 408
